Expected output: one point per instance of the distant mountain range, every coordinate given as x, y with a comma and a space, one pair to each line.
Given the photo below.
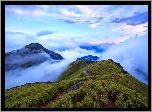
32, 54
93, 47
89, 58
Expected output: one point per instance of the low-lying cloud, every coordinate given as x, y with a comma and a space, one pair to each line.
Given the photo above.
16, 58
78, 52
46, 71
132, 54
40, 73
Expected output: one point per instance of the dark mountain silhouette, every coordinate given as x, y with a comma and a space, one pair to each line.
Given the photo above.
89, 58
32, 54
93, 47
36, 47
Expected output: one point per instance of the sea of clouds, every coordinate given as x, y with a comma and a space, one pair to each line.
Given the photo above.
132, 54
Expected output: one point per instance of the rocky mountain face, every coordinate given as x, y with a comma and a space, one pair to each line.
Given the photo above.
32, 54
37, 48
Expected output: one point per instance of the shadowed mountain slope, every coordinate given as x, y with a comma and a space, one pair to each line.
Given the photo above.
32, 54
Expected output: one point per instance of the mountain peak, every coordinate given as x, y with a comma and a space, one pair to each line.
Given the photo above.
34, 46
32, 54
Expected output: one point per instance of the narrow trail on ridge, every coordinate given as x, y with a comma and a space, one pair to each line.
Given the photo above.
110, 104
44, 105
87, 73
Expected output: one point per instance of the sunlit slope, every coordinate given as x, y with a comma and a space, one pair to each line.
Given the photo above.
75, 70
95, 68
106, 85
101, 69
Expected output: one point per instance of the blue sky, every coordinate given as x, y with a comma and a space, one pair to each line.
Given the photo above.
92, 24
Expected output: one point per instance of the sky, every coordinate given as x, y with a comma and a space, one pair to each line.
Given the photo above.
121, 30
70, 24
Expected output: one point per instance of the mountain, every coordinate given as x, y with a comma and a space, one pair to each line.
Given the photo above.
36, 47
84, 84
32, 54
89, 58
92, 47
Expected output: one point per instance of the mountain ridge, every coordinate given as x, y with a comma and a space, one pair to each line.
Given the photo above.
89, 58
109, 86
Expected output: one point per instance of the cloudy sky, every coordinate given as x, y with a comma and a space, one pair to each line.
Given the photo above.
73, 24
121, 30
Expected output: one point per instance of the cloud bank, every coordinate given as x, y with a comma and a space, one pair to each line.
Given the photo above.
132, 54
16, 40
41, 73
45, 71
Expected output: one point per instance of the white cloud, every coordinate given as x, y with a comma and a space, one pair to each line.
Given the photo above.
44, 6
106, 45
135, 8
132, 54
32, 12
69, 13
41, 73
15, 40
128, 29
86, 12
46, 71
94, 25
73, 54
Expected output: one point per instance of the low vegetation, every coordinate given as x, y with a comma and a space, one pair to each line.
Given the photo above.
110, 86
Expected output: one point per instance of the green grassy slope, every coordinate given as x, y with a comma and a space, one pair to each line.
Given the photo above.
110, 86
75, 70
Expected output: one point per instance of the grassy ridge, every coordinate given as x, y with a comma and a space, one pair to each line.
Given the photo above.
75, 70
88, 96
109, 87
32, 95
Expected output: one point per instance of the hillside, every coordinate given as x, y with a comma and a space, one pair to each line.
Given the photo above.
32, 54
84, 84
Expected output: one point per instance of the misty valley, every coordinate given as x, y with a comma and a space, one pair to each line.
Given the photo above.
46, 79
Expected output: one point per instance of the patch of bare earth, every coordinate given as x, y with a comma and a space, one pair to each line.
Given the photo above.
110, 103
88, 73
114, 78
44, 105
